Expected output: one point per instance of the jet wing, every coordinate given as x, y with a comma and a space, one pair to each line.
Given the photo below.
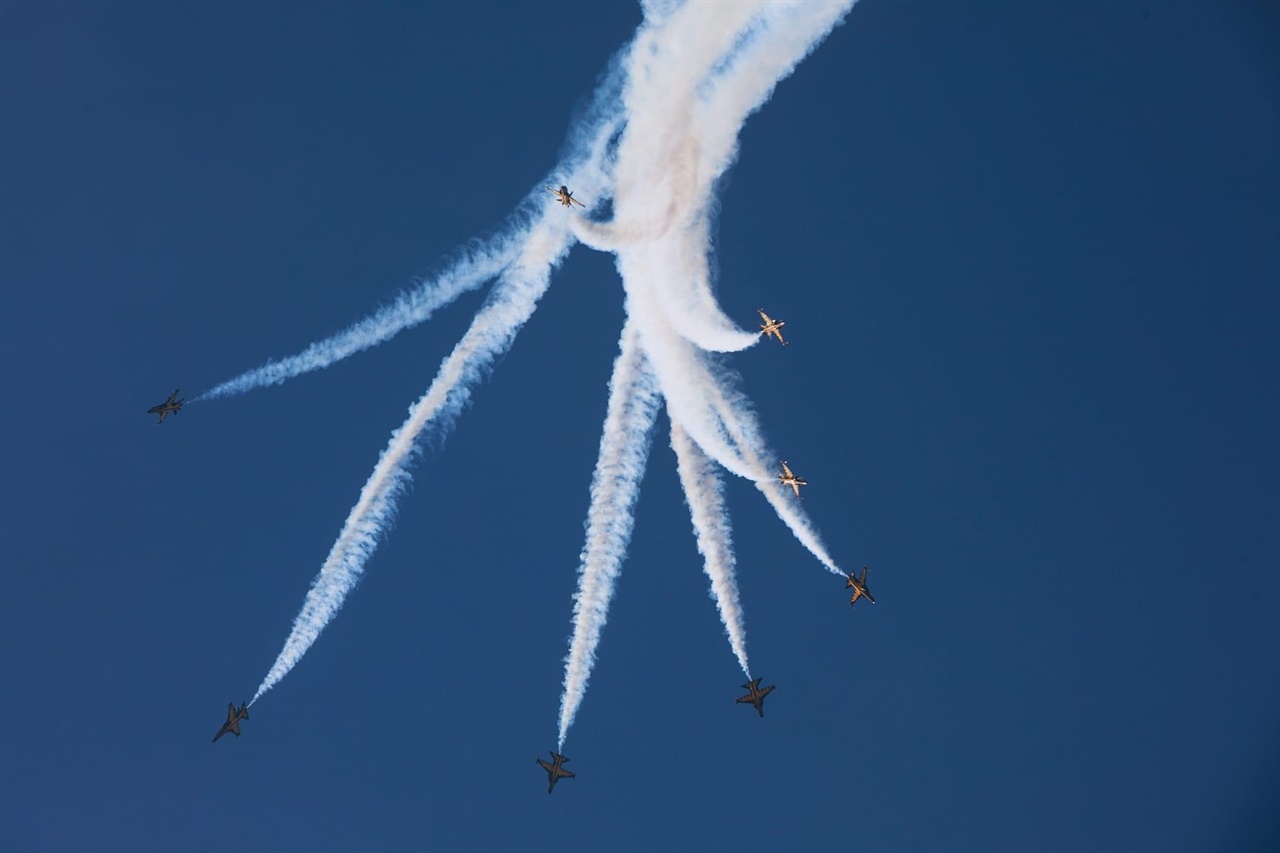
545, 766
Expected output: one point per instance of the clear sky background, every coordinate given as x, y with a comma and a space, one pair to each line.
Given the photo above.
1027, 254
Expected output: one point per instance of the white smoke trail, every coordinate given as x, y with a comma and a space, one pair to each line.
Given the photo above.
780, 38
471, 271
491, 333
704, 493
657, 159
587, 164
685, 106
678, 364
624, 448
744, 430
666, 172
687, 93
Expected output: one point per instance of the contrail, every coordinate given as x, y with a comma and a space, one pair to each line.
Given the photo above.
703, 491
680, 138
661, 132
587, 164
472, 270
491, 333
677, 362
624, 448
743, 428
668, 160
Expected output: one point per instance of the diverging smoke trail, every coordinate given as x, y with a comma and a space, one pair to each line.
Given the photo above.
469, 272
491, 333
740, 423
704, 493
701, 397
624, 449
686, 102
587, 164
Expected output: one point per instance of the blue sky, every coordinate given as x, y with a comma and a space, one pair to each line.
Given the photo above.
1027, 255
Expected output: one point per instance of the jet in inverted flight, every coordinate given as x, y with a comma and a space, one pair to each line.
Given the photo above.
555, 770
755, 695
169, 407
234, 716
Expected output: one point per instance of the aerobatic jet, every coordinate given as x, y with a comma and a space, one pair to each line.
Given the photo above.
771, 326
789, 479
234, 716
756, 695
565, 197
555, 772
169, 407
859, 587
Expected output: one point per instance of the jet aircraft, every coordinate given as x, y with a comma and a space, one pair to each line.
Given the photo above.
771, 326
859, 587
756, 695
169, 407
234, 716
565, 197
789, 479
555, 772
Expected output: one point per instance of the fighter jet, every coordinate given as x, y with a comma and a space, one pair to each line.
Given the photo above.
859, 587
555, 772
565, 197
756, 695
771, 326
168, 407
234, 716
789, 479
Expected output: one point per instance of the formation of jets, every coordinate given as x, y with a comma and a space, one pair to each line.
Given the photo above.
555, 770
234, 716
169, 407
